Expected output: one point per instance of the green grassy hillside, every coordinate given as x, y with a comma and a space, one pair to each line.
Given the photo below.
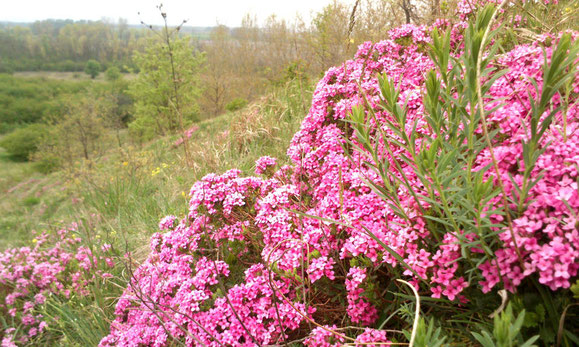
130, 188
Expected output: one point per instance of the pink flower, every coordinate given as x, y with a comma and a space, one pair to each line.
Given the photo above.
167, 223
263, 164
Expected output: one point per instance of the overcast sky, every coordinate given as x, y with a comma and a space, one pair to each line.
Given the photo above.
198, 13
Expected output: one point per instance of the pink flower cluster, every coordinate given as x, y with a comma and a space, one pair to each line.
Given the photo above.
167, 223
179, 294
359, 309
191, 287
372, 335
55, 266
448, 283
546, 237
324, 337
263, 164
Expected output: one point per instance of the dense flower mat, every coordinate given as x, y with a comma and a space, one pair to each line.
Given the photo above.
244, 267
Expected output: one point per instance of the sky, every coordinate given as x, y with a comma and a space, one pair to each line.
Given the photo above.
197, 13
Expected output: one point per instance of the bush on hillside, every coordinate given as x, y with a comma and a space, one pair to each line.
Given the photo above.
403, 170
23, 142
30, 100
112, 74
92, 68
236, 104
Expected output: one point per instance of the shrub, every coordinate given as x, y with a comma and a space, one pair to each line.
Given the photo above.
23, 142
7, 69
31, 201
236, 104
47, 162
112, 74
92, 68
142, 128
167, 86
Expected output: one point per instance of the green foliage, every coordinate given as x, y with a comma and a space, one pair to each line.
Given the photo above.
506, 331
575, 289
76, 327
427, 335
47, 163
236, 104
129, 198
31, 201
162, 98
143, 128
23, 142
92, 68
296, 70
81, 131
28, 100
330, 29
112, 74
6, 69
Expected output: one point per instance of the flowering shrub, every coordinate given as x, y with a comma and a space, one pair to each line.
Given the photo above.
56, 266
411, 178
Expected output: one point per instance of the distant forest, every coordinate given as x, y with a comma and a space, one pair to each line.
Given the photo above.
66, 45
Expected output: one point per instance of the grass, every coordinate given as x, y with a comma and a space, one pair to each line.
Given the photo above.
21, 200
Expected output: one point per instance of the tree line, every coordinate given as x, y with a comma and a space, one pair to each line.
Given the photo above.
66, 45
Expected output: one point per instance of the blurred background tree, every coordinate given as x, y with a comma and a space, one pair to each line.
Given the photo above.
92, 68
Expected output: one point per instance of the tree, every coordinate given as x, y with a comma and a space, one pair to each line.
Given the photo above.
329, 34
79, 132
168, 85
218, 76
92, 68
